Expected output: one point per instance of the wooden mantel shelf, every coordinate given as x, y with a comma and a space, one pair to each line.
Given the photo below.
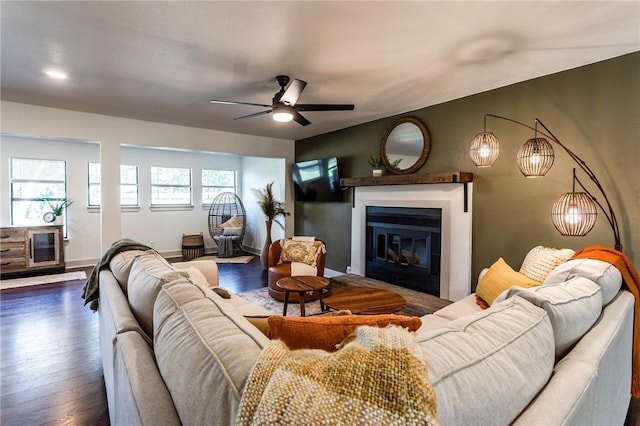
422, 178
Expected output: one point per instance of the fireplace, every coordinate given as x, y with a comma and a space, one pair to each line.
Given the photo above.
403, 246
453, 262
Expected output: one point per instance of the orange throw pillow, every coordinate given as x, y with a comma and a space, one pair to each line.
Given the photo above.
327, 332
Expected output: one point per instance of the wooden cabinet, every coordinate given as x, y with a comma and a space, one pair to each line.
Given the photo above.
31, 249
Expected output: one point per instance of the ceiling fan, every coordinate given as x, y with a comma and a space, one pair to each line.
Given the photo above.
284, 106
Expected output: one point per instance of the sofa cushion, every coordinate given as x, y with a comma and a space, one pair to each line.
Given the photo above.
591, 385
149, 273
501, 277
326, 332
205, 351
606, 275
463, 307
431, 322
120, 266
573, 307
487, 367
540, 261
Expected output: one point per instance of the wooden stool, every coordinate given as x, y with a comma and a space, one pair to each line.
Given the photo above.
301, 284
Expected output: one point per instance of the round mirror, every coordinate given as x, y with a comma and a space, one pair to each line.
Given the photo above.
405, 146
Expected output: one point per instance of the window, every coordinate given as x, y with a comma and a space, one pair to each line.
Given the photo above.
33, 183
170, 186
128, 185
215, 182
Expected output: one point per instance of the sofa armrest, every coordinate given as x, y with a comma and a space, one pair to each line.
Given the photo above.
141, 396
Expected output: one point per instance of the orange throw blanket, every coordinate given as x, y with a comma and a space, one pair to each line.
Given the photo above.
632, 280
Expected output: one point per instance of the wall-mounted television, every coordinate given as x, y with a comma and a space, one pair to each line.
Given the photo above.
317, 180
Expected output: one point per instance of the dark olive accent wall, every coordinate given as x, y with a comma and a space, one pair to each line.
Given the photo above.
594, 110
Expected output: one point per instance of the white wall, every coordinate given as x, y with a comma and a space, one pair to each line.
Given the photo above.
112, 132
82, 226
257, 173
163, 228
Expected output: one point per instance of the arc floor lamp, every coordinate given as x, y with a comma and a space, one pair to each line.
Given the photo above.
573, 213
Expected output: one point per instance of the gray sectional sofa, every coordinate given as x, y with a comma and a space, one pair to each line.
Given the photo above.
175, 352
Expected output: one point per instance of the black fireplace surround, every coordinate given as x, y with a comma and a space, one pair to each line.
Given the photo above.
403, 247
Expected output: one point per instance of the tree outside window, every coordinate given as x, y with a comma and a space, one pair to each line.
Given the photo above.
215, 182
35, 183
170, 186
129, 188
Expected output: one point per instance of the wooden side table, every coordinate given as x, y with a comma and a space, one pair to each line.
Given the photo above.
301, 284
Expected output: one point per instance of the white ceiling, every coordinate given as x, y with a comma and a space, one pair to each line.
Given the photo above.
163, 61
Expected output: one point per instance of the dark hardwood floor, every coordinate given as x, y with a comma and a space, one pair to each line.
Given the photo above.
51, 372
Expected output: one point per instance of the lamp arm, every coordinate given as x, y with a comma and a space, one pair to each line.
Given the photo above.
595, 200
610, 215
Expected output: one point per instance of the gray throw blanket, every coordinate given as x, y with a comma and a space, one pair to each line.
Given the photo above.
225, 246
90, 291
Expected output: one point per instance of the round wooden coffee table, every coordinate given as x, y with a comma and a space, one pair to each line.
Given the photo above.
364, 300
301, 284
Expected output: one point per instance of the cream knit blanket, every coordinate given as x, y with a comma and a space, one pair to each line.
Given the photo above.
377, 376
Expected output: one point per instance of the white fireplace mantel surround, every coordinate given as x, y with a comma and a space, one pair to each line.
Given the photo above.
455, 268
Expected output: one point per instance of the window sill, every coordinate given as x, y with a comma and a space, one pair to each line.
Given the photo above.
96, 209
170, 208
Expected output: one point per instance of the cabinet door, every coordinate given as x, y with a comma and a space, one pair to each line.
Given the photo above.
44, 247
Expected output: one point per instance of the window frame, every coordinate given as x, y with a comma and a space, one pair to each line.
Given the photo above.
122, 205
157, 205
41, 200
233, 188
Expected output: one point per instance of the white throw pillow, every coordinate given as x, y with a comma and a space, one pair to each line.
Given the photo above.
232, 231
540, 261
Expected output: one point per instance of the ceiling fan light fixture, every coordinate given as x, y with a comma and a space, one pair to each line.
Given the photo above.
282, 113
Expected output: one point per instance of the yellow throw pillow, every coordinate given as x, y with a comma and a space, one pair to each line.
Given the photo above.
540, 261
499, 278
325, 332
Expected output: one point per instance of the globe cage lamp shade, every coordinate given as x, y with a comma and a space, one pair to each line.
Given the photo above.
283, 113
574, 214
484, 149
535, 158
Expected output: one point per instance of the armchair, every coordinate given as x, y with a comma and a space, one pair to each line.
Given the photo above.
279, 270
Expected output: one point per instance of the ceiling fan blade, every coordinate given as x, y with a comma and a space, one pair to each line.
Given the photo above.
254, 115
300, 119
324, 107
215, 101
291, 95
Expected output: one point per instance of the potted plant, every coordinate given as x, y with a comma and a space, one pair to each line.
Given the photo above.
271, 208
58, 207
376, 163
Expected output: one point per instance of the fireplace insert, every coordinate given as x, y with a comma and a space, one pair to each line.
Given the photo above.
403, 247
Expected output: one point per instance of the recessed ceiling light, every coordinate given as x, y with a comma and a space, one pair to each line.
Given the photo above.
57, 74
